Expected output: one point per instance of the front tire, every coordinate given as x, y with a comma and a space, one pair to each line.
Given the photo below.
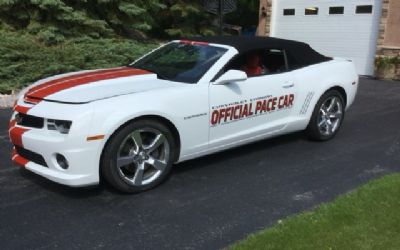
327, 116
138, 156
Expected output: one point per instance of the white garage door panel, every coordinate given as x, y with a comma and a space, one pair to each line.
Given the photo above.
351, 36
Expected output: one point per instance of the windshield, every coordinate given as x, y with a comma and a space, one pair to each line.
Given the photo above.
181, 62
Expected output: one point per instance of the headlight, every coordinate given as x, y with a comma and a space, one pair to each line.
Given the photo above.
59, 125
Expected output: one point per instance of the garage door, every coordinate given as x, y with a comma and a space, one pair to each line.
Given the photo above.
337, 28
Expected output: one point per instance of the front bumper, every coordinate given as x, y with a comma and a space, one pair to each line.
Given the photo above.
83, 156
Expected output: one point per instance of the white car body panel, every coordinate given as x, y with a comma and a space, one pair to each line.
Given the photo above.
101, 107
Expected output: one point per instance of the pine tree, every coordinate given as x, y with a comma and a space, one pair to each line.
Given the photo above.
54, 20
51, 20
187, 18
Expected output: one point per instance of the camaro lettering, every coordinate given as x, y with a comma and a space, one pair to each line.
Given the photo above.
242, 111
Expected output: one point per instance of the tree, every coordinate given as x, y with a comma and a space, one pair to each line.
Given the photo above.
246, 14
186, 18
53, 20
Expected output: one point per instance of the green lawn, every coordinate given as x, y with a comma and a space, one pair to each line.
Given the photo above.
367, 218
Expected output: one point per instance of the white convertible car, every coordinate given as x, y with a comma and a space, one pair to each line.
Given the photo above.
186, 99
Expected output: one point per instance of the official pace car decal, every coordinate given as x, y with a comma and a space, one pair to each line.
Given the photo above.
227, 113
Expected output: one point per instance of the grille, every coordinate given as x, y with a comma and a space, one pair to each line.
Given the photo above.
29, 121
31, 156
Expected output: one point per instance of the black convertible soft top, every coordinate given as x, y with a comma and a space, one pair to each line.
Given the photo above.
301, 52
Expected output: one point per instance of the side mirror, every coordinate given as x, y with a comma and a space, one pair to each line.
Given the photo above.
231, 76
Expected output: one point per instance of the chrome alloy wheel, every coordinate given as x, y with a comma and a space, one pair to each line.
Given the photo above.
143, 156
330, 116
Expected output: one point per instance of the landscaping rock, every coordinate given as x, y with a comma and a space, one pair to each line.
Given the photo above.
7, 101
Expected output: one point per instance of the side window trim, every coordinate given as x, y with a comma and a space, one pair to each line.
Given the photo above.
284, 52
287, 69
286, 61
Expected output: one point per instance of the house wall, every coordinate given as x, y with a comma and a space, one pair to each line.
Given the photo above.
389, 34
392, 34
265, 14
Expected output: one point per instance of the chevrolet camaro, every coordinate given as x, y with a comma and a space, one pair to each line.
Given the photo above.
186, 99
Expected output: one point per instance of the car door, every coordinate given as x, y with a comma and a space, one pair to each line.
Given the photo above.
255, 107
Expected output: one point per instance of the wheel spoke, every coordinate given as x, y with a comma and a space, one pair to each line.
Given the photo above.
321, 123
335, 125
337, 115
329, 127
137, 139
157, 164
123, 161
138, 178
157, 142
331, 105
323, 110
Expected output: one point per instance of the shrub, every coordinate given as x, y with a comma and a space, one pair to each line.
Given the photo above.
24, 59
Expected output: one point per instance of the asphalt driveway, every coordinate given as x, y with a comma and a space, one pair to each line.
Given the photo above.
210, 202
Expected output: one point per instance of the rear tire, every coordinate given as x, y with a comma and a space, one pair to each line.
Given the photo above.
327, 116
139, 156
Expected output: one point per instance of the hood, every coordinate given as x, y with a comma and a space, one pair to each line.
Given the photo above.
88, 86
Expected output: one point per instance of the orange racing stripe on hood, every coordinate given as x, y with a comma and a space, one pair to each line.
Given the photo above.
36, 95
71, 77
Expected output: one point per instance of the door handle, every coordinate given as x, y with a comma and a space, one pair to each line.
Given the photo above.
288, 85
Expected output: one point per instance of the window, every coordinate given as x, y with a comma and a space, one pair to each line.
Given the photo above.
311, 11
336, 10
274, 61
292, 62
289, 12
260, 62
364, 9
181, 62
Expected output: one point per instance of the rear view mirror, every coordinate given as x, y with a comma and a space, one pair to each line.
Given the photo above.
231, 76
